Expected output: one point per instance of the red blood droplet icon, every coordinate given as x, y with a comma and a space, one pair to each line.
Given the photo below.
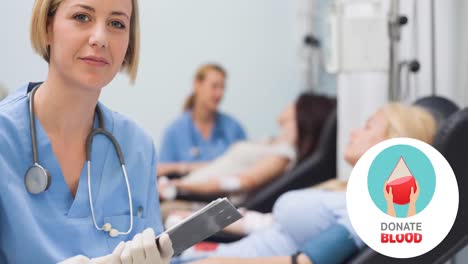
401, 180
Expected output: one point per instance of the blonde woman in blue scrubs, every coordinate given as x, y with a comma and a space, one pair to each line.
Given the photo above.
201, 133
91, 206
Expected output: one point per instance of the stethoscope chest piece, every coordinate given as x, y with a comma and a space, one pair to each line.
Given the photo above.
37, 179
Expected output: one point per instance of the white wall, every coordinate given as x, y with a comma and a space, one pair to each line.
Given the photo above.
461, 59
359, 96
254, 40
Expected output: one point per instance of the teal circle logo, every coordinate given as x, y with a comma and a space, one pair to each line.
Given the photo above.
401, 181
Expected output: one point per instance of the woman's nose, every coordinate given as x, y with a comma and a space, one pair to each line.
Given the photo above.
218, 90
98, 37
280, 119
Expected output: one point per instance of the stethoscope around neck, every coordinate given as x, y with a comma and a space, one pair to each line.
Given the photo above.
37, 179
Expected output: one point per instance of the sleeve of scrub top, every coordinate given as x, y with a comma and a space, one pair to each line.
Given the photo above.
334, 245
167, 152
239, 132
153, 216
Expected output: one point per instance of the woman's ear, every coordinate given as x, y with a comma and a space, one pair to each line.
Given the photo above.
49, 37
49, 30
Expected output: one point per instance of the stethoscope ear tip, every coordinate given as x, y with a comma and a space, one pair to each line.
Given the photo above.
113, 232
107, 227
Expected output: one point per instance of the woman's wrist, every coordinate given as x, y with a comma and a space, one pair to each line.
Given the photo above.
183, 168
294, 258
229, 184
300, 258
303, 259
167, 190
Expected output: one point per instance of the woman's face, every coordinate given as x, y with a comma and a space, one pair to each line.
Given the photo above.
88, 41
364, 138
210, 91
287, 121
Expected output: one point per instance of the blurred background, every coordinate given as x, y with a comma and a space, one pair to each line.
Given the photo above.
363, 52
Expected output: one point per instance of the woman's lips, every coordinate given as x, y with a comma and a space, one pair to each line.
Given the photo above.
95, 61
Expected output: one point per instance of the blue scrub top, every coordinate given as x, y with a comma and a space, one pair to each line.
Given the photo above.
182, 142
52, 226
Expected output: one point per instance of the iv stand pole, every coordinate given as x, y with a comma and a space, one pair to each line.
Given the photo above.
394, 35
433, 50
395, 22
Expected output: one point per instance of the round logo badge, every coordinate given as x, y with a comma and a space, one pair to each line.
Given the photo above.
402, 198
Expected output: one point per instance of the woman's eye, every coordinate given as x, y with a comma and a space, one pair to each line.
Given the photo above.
117, 24
81, 17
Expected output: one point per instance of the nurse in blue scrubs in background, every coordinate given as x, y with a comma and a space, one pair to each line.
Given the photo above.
201, 133
64, 197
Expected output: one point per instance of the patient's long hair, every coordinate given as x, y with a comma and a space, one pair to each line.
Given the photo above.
311, 113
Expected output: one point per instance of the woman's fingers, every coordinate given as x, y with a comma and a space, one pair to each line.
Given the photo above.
165, 245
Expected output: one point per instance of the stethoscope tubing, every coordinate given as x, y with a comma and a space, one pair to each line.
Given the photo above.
32, 124
89, 142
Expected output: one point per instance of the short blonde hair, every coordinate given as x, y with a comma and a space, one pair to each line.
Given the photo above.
43, 10
409, 121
